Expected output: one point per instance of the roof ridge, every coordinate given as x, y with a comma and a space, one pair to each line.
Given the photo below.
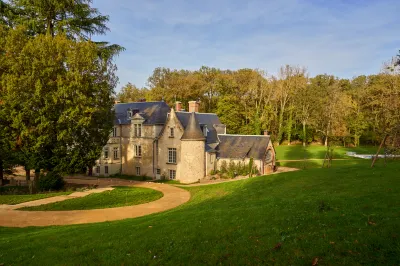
244, 135
196, 113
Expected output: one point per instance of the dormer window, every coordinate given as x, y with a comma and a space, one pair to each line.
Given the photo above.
204, 130
129, 114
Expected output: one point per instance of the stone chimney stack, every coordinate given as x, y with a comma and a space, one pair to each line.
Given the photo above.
116, 101
193, 107
178, 106
265, 132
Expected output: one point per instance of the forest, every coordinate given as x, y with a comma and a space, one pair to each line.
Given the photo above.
291, 106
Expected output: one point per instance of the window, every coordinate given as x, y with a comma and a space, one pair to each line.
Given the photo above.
137, 130
106, 169
138, 151
172, 174
129, 113
137, 170
114, 133
115, 153
106, 153
158, 171
171, 155
171, 132
97, 169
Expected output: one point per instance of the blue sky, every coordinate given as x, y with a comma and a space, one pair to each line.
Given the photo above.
340, 37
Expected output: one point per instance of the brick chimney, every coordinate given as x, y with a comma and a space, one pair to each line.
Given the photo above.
193, 106
178, 106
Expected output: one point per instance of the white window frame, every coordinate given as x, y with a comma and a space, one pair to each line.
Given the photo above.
137, 130
129, 113
172, 174
98, 169
138, 150
106, 170
114, 132
172, 155
116, 153
138, 170
158, 171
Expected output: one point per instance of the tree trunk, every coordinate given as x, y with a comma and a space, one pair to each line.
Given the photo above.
289, 128
280, 127
326, 140
27, 174
304, 134
1, 172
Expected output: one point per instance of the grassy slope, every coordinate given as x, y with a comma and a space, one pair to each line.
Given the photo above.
15, 199
297, 152
120, 196
240, 223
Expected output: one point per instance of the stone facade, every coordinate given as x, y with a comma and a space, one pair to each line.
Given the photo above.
149, 139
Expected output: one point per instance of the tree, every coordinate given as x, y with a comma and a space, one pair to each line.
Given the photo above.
287, 85
57, 99
305, 107
75, 19
130, 93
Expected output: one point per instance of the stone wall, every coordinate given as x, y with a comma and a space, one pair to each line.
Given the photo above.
166, 141
192, 161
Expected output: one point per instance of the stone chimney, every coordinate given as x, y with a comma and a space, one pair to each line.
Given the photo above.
178, 106
116, 101
193, 107
265, 132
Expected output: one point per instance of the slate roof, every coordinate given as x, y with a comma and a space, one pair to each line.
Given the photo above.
242, 146
192, 130
203, 119
154, 113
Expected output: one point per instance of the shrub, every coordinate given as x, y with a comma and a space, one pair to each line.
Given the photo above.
224, 167
213, 172
50, 181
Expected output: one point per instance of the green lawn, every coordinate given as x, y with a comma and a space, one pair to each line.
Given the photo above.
15, 199
120, 196
293, 156
348, 214
297, 152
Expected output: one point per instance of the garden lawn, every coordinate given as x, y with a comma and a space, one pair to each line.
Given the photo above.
313, 155
348, 214
118, 197
16, 199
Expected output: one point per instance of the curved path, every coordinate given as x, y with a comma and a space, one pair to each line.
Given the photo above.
173, 197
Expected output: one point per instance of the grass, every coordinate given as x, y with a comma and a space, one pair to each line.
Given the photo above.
297, 152
16, 199
346, 215
294, 155
120, 196
128, 177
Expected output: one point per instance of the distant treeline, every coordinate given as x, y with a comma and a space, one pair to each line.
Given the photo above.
291, 106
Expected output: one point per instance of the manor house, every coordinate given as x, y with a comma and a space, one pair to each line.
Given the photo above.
150, 139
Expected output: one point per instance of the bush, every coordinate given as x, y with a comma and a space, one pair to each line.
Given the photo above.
224, 167
50, 181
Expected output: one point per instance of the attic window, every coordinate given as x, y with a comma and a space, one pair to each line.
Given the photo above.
130, 114
204, 130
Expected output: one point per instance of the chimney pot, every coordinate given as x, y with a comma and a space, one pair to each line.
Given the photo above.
178, 106
193, 106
